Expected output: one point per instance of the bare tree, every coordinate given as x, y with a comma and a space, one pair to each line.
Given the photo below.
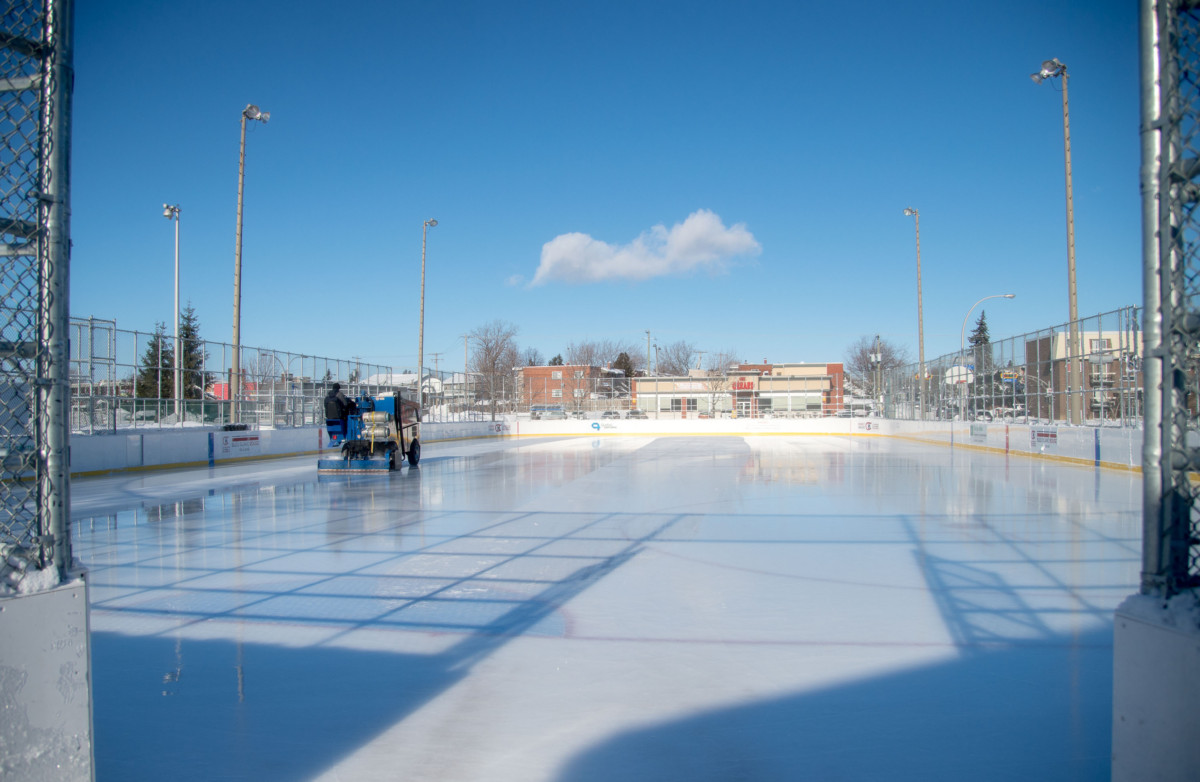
676, 358
585, 353
259, 366
531, 357
600, 353
494, 357
719, 361
862, 368
716, 382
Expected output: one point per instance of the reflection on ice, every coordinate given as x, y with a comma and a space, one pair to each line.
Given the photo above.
608, 607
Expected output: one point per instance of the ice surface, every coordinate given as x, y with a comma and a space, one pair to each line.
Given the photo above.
691, 608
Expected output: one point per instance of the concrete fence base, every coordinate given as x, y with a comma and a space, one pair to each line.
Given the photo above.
45, 690
1156, 686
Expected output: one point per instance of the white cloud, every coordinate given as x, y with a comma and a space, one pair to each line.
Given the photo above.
700, 242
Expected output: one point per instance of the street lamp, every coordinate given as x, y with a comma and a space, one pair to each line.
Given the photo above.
911, 212
172, 212
962, 341
1050, 69
657, 404
251, 112
877, 374
421, 335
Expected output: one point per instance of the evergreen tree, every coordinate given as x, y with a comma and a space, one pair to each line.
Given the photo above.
156, 377
195, 379
557, 361
624, 363
984, 388
981, 345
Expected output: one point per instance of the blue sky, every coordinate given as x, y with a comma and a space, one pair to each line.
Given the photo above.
730, 174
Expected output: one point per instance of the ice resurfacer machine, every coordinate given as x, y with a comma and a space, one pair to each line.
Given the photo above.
371, 437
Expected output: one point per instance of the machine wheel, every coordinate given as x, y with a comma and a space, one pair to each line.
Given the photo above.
414, 453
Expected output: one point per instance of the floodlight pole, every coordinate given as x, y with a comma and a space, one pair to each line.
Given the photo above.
172, 212
1050, 69
916, 214
421, 335
251, 112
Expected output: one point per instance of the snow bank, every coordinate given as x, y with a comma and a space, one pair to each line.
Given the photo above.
1181, 612
18, 576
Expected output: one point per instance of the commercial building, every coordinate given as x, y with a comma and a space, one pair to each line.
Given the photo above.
747, 390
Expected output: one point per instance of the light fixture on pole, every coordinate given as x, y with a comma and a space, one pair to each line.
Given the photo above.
962, 342
877, 373
251, 112
911, 212
1051, 69
172, 212
421, 335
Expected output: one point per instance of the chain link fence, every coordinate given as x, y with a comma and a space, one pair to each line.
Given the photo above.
1032, 378
35, 85
123, 379
1170, 48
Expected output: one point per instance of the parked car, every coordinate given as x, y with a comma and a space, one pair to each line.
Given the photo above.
578, 414
610, 414
635, 413
553, 415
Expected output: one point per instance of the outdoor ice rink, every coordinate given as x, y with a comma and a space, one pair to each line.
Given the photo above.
617, 609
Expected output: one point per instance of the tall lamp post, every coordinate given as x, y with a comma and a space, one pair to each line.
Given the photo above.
877, 374
251, 112
172, 212
421, 332
911, 212
1050, 69
962, 341
657, 406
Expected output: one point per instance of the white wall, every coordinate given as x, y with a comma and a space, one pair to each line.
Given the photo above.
165, 447
152, 448
1080, 445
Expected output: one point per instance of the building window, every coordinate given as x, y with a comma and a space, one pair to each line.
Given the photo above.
579, 393
579, 374
678, 405
556, 374
556, 393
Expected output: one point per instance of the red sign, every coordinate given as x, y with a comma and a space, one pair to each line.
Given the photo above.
743, 385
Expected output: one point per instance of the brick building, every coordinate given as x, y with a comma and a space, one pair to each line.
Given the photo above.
571, 387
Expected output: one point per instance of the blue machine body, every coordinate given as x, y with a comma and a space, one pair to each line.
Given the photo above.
371, 437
